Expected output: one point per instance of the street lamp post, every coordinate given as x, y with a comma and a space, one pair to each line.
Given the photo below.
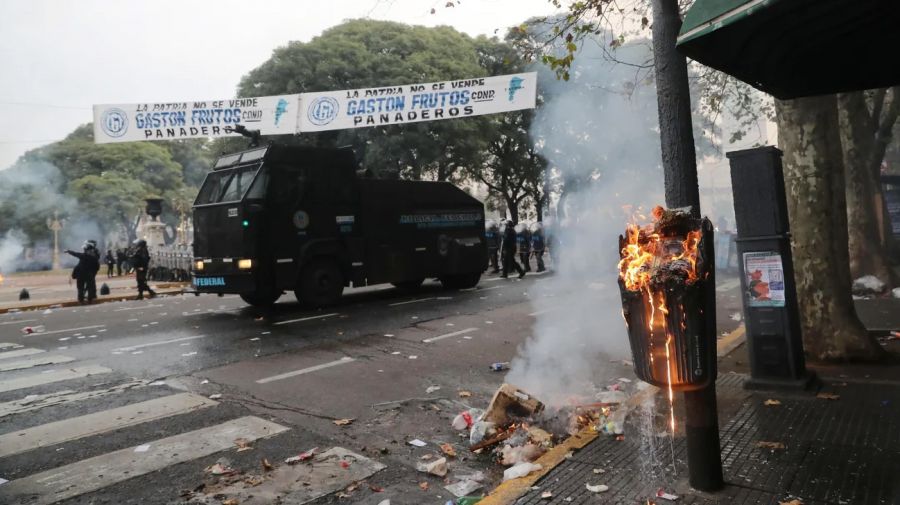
55, 224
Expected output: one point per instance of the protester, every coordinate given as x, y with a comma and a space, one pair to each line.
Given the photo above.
140, 260
85, 271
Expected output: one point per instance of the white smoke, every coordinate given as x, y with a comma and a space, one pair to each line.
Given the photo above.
600, 133
12, 246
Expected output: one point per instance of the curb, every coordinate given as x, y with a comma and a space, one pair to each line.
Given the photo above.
510, 491
162, 290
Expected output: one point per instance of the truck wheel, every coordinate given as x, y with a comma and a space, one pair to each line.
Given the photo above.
258, 299
408, 285
461, 281
321, 284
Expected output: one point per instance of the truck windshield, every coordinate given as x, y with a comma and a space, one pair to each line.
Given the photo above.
226, 185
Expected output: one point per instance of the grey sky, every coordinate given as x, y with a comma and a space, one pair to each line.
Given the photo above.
59, 57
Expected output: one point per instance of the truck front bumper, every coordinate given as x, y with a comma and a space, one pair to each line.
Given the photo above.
223, 283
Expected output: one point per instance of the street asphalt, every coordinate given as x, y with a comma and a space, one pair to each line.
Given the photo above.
133, 390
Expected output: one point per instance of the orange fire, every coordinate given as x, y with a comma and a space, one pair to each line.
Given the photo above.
648, 259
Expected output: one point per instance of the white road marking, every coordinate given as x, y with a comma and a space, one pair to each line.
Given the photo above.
411, 301
19, 321
159, 342
137, 308
212, 312
728, 285
302, 371
66, 430
95, 473
47, 378
9, 345
28, 351
34, 361
448, 335
310, 318
67, 330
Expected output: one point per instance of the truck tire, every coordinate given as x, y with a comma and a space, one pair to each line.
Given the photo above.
409, 285
258, 299
321, 284
461, 281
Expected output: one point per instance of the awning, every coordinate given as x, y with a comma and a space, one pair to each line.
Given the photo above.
793, 48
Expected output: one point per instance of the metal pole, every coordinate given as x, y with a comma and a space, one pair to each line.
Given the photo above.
680, 171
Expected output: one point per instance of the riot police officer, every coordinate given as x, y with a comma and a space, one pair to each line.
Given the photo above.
523, 241
492, 235
86, 270
141, 262
509, 251
537, 244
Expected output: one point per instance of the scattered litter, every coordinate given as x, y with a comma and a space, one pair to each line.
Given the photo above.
303, 456
157, 383
395, 353
466, 419
794, 501
254, 339
448, 450
520, 470
376, 489
736, 316
666, 496
220, 469
189, 353
463, 488
432, 389
137, 352
423, 486
48, 311
142, 448
418, 443
345, 464
513, 455
509, 397
388, 334
28, 330
868, 285
3, 481
265, 333
342, 422
215, 396
771, 403
599, 488
243, 444
384, 502
598, 471
828, 396
204, 381
775, 446
464, 394
266, 466
63, 339
437, 467
231, 501
547, 495
500, 366
414, 357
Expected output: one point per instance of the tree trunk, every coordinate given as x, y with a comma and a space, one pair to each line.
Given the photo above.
862, 158
513, 207
673, 99
813, 175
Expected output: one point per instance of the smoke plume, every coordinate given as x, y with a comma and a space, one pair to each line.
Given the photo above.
599, 131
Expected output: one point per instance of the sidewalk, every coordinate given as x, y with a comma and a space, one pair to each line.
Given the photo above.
841, 446
53, 288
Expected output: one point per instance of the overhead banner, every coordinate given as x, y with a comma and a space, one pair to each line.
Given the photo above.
271, 115
412, 103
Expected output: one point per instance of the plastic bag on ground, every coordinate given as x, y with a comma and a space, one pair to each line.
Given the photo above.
466, 419
520, 470
437, 467
527, 453
463, 487
480, 431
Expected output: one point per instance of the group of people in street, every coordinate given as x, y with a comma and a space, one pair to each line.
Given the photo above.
85, 272
506, 240
117, 263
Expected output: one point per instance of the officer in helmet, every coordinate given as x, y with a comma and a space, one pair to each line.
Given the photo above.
509, 251
141, 262
492, 236
86, 270
537, 244
523, 241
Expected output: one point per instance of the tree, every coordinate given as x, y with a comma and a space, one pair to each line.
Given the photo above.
111, 199
813, 173
866, 124
366, 53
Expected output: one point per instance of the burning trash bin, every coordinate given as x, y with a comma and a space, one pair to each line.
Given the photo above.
666, 277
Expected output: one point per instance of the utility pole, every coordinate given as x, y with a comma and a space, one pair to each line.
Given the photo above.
680, 174
55, 225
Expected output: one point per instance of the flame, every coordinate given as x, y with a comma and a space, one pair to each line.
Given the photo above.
1, 279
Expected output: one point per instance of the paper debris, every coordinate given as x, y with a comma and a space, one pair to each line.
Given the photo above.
342, 422
771, 403
418, 443
432, 389
546, 495
598, 471
775, 446
599, 488
216, 396
437, 467
243, 444
423, 486
666, 496
448, 450
142, 448
464, 394
303, 456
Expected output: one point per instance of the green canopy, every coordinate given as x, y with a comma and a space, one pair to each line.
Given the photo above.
793, 48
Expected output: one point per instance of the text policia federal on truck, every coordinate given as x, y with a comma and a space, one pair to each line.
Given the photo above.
282, 218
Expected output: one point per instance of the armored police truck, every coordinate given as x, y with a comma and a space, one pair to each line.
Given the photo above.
279, 218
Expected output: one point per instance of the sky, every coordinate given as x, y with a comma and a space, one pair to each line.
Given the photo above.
59, 57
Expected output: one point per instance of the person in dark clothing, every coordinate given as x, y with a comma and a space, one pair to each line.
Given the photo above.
85, 271
509, 251
120, 260
110, 263
537, 244
140, 260
523, 240
492, 235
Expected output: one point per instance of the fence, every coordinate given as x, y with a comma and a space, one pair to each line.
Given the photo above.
171, 263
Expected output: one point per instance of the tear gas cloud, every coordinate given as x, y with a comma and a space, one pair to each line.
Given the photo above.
599, 132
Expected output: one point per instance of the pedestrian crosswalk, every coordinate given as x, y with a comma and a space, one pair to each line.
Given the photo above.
158, 428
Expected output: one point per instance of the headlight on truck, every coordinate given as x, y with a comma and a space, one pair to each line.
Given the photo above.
198, 265
245, 264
